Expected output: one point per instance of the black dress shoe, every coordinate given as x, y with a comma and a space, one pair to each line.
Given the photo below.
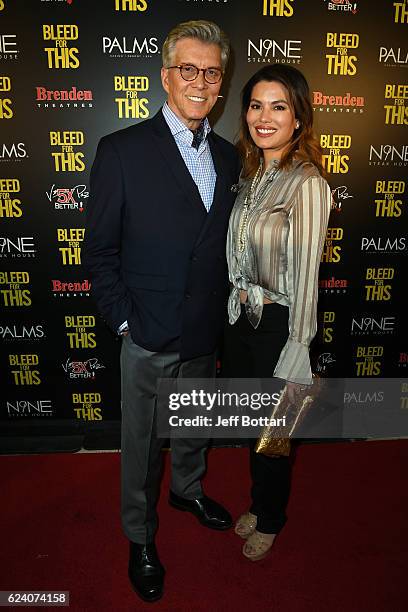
146, 573
209, 512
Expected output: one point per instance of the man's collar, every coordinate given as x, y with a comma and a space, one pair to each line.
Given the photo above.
177, 126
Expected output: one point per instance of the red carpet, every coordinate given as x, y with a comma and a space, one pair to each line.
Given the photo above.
344, 547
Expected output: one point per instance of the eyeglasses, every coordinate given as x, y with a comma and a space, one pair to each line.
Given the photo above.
189, 72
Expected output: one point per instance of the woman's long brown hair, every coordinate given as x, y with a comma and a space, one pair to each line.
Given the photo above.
304, 144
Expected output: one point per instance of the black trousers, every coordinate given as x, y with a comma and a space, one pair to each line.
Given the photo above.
253, 353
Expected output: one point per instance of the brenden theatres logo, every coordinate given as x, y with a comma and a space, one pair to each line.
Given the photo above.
131, 47
268, 50
340, 62
403, 360
330, 103
15, 289
372, 325
393, 57
340, 194
388, 155
64, 98
333, 285
130, 5
389, 202
10, 206
61, 56
396, 113
133, 102
68, 198
344, 6
15, 151
69, 289
29, 408
67, 160
82, 369
16, 332
8, 47
20, 247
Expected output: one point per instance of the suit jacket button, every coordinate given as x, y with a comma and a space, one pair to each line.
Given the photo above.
193, 258
214, 293
187, 296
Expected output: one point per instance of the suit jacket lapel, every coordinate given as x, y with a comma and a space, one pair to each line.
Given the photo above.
168, 148
221, 185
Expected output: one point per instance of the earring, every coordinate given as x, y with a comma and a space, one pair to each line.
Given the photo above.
297, 125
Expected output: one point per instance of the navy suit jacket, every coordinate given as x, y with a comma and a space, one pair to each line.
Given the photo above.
155, 257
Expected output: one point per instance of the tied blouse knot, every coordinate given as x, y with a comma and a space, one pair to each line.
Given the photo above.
285, 233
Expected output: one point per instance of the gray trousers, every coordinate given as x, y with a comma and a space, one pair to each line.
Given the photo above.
141, 461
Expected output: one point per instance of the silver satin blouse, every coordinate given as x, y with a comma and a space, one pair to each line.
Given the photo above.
285, 233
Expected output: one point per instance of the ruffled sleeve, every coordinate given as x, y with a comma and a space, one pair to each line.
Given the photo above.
308, 221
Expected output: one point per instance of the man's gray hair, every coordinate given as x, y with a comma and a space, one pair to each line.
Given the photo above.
206, 31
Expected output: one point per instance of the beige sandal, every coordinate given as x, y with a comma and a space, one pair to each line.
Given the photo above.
245, 525
258, 545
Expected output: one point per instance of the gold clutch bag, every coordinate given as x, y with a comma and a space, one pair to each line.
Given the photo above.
275, 440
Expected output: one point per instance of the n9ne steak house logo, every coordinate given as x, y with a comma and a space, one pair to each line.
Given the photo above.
268, 50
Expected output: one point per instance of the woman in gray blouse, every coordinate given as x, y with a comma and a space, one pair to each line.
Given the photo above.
275, 240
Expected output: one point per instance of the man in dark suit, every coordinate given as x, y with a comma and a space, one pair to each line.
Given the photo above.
155, 251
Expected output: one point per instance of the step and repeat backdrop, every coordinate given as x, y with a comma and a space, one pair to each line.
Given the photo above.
74, 70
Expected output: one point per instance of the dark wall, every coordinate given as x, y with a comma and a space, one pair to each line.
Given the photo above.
59, 363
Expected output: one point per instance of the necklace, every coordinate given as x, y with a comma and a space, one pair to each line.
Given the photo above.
249, 203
